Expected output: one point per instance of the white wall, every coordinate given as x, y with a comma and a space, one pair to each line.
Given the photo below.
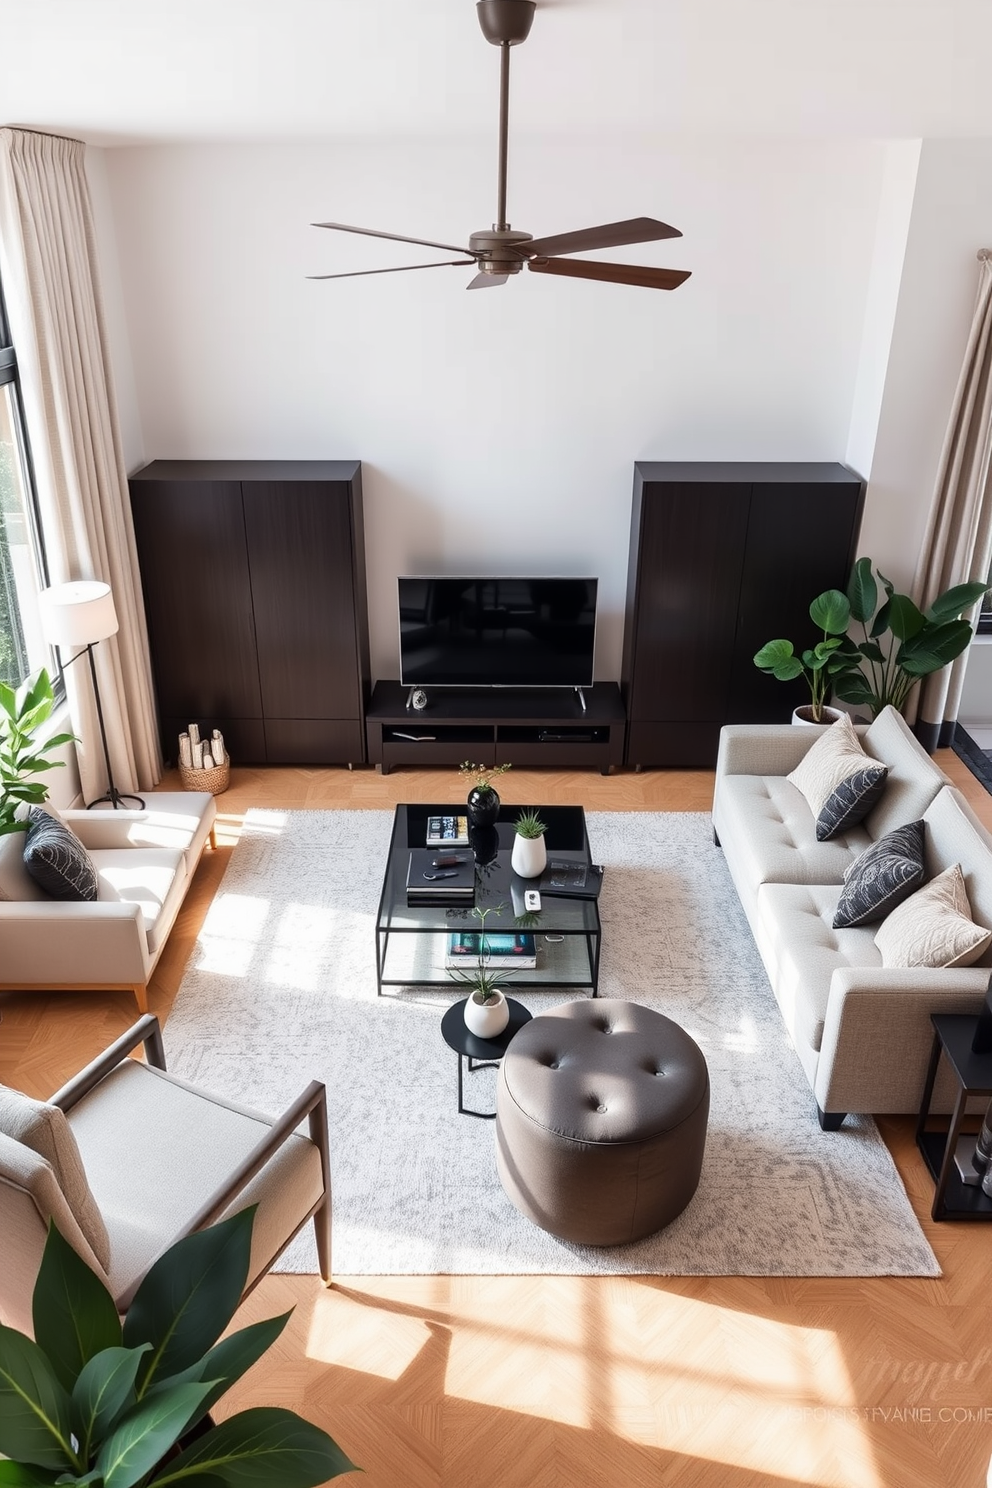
497, 429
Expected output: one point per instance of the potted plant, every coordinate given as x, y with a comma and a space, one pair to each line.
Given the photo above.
530, 855
483, 802
899, 642
92, 1400
486, 1012
822, 664
22, 711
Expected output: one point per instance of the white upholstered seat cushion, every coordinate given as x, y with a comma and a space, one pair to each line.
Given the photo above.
155, 1148
767, 826
171, 819
152, 878
796, 923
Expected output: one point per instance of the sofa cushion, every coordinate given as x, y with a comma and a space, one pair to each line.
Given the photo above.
914, 780
766, 826
16, 883
886, 874
933, 927
851, 801
803, 950
44, 1129
955, 835
56, 859
831, 759
149, 877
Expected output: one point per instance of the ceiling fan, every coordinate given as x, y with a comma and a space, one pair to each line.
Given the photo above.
500, 252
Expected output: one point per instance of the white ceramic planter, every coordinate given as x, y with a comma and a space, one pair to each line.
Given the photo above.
830, 715
487, 1019
529, 856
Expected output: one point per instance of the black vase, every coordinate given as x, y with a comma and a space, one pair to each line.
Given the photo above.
482, 807
484, 842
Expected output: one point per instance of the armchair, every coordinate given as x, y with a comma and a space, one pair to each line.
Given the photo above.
127, 1159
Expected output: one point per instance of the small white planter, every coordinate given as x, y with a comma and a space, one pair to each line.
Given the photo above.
802, 717
487, 1019
529, 857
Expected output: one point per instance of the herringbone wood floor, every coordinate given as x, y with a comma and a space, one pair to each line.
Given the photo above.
574, 1382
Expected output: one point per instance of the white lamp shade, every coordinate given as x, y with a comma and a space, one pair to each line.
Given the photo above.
78, 613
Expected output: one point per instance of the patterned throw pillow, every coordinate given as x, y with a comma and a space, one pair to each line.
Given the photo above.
933, 927
44, 1129
57, 860
851, 802
885, 874
834, 757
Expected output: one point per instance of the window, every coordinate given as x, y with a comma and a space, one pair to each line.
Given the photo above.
22, 572
984, 626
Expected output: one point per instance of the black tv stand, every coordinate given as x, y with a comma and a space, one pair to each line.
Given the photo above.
566, 729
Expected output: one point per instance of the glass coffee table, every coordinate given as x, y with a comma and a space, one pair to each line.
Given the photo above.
411, 940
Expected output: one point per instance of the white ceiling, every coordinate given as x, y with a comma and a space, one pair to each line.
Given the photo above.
137, 71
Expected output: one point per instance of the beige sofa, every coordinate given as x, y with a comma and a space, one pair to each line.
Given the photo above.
144, 861
862, 1032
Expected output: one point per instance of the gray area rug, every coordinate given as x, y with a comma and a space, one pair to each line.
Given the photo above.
281, 990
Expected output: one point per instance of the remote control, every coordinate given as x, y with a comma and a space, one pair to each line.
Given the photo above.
532, 900
447, 860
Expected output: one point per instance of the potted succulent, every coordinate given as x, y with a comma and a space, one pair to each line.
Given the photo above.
530, 855
22, 711
899, 642
483, 802
821, 665
486, 1011
94, 1400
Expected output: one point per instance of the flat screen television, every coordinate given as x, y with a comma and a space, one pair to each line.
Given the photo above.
497, 632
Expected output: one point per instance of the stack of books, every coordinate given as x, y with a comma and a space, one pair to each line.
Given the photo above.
426, 884
572, 880
447, 831
510, 951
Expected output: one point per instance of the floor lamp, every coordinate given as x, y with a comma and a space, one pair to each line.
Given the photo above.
77, 614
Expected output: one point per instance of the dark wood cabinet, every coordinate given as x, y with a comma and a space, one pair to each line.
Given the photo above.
724, 557
254, 583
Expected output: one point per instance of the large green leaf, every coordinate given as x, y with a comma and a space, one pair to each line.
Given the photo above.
949, 605
74, 1315
228, 1360
34, 1408
189, 1296
934, 648
141, 1439
779, 658
262, 1448
854, 687
104, 1387
862, 591
831, 611
905, 619
20, 1475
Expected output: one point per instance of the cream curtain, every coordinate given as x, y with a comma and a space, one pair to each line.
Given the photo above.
48, 264
958, 542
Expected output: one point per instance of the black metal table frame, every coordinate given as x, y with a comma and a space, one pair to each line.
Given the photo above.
455, 1015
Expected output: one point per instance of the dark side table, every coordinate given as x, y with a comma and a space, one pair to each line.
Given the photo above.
945, 1149
480, 1053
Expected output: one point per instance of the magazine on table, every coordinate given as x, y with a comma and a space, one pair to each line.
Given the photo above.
572, 880
504, 951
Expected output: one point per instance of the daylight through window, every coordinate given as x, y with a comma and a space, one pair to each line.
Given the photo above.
22, 649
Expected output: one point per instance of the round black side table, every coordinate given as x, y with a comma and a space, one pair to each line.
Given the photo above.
481, 1053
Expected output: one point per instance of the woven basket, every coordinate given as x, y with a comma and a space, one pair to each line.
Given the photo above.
215, 779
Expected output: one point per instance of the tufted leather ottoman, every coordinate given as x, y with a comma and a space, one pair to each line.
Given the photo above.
601, 1111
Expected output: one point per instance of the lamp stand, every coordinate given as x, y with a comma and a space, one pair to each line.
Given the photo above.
113, 795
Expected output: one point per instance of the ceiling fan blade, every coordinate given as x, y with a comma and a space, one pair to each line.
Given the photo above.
610, 273
372, 232
457, 263
483, 281
611, 235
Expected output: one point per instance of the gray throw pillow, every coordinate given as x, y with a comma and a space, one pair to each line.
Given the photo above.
851, 801
883, 876
57, 860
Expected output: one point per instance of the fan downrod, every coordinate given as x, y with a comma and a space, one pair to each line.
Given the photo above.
505, 22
